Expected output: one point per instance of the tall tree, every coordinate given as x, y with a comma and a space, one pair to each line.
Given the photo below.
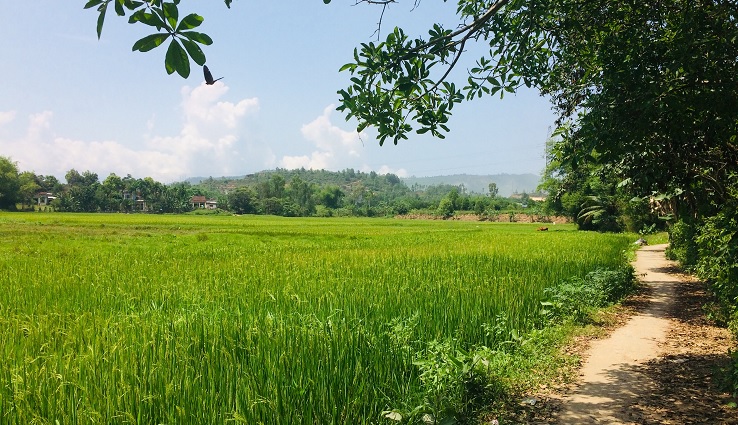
651, 89
82, 193
28, 187
302, 195
9, 184
493, 190
242, 200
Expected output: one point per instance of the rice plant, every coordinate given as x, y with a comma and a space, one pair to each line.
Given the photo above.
209, 320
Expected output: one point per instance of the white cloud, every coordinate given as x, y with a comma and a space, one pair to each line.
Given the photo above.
213, 140
6, 117
316, 161
400, 172
336, 148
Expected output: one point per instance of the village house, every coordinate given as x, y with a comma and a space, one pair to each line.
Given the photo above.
199, 202
137, 201
44, 198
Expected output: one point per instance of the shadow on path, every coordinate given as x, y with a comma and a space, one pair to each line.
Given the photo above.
658, 368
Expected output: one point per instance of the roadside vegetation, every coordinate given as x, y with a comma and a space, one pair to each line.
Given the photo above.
110, 318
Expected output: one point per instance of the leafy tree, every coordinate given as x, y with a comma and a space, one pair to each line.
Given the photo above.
330, 197
28, 188
9, 184
272, 188
176, 198
479, 205
392, 179
73, 177
446, 207
49, 183
242, 200
302, 195
453, 197
112, 190
652, 94
82, 194
271, 206
493, 190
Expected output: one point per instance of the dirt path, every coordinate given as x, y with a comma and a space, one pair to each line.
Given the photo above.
658, 367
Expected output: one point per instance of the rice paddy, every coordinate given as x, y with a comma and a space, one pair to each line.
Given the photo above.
147, 319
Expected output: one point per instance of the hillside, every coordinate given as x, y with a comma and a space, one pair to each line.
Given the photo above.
506, 183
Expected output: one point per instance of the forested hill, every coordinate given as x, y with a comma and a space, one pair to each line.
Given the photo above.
507, 184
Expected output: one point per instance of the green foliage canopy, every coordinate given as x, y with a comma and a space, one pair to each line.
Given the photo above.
9, 183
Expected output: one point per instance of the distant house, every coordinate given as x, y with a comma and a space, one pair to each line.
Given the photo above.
538, 197
44, 198
139, 203
203, 202
535, 196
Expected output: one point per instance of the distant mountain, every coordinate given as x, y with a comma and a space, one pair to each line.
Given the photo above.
507, 184
198, 180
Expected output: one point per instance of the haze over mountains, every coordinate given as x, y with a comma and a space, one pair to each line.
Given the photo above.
507, 184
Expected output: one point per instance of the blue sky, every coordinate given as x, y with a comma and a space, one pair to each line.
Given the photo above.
69, 100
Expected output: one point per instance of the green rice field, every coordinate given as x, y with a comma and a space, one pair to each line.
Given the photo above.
150, 319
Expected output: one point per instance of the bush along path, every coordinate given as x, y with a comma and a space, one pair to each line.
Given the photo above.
664, 366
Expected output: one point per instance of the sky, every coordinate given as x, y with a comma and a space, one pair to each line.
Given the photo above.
71, 101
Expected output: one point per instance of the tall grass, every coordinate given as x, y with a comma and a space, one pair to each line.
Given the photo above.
181, 319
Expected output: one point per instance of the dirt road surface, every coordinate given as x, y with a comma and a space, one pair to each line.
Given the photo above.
660, 367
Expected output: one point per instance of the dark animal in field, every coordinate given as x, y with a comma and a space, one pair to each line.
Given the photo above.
208, 76
542, 229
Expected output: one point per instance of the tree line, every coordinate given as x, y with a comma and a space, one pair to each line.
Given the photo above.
281, 192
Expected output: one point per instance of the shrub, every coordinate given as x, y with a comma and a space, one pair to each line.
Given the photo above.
717, 248
575, 298
682, 247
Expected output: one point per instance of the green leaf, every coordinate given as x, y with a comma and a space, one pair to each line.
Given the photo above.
190, 21
351, 66
228, 3
92, 3
146, 18
326, 1
162, 17
119, 8
150, 42
194, 51
171, 13
101, 19
494, 81
625, 182
199, 37
133, 5
177, 60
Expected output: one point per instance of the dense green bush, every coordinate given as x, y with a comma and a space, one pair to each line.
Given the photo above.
717, 250
682, 246
710, 249
575, 298
717, 247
